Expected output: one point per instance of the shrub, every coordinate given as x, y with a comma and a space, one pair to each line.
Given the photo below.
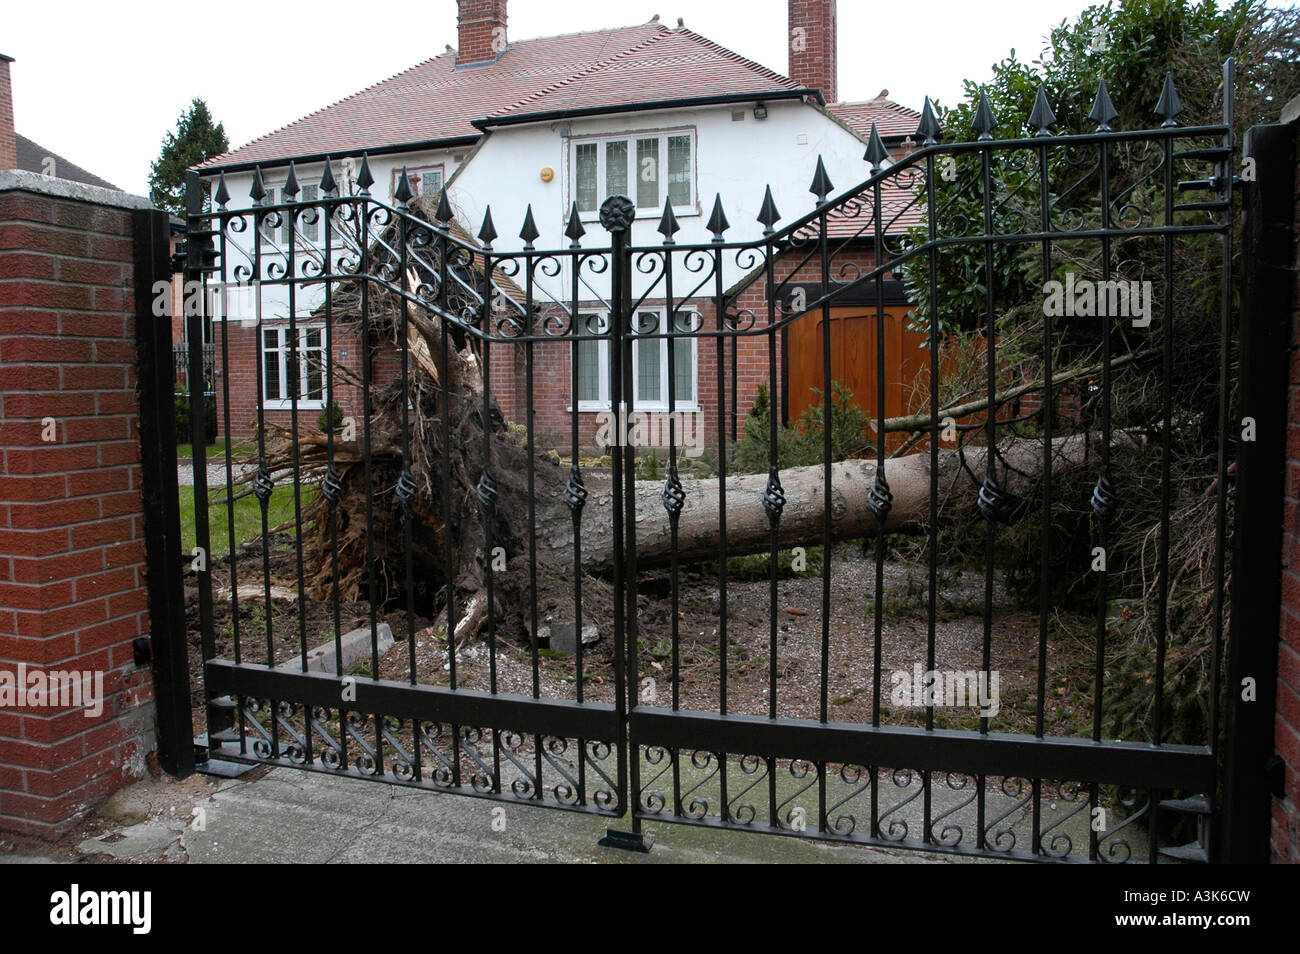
330, 418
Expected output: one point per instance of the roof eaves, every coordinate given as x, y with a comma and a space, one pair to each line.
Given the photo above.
248, 165
555, 115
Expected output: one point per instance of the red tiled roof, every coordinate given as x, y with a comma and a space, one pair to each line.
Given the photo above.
890, 118
901, 210
434, 101
670, 65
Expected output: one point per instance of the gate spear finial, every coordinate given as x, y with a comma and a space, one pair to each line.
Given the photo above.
876, 153
488, 231
529, 232
1170, 105
403, 191
291, 187
223, 194
985, 122
718, 220
258, 192
668, 226
1042, 118
574, 231
927, 130
821, 184
364, 179
328, 187
1103, 110
768, 214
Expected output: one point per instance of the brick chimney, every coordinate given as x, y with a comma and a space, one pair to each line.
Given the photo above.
481, 28
8, 145
812, 46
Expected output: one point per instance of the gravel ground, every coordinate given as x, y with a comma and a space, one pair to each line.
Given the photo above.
216, 472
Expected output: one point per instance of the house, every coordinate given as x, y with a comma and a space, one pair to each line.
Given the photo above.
19, 152
659, 113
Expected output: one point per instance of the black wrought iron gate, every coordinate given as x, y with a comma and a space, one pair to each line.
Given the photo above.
344, 272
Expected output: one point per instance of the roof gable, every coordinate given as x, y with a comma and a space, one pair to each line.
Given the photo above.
32, 158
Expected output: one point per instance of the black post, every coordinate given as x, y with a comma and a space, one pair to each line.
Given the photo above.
198, 260
616, 215
158, 492
1257, 541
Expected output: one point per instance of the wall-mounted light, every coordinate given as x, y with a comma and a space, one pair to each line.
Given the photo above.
760, 111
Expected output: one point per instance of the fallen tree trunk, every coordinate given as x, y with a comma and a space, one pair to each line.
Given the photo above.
803, 516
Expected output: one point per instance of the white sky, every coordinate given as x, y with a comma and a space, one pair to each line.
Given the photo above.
101, 82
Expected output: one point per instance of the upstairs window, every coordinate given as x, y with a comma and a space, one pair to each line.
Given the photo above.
648, 168
424, 180
309, 220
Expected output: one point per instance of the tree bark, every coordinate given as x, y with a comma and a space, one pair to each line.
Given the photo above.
802, 519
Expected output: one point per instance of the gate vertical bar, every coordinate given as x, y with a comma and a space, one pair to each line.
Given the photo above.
616, 216
160, 496
1267, 284
197, 238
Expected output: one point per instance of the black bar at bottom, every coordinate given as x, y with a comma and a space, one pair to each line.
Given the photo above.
401, 700
1001, 754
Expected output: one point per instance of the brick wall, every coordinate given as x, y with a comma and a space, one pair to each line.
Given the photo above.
480, 23
1286, 811
72, 552
812, 46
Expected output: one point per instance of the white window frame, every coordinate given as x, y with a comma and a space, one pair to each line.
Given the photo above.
603, 403
689, 207
279, 236
282, 335
421, 171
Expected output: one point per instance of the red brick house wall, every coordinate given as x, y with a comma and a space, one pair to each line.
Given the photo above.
72, 552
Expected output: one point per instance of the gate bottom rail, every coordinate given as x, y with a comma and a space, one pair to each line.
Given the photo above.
1137, 764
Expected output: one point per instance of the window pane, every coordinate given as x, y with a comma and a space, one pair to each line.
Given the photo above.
584, 176
314, 357
679, 170
310, 221
649, 386
268, 233
616, 168
271, 365
684, 370
286, 220
588, 361
647, 175
425, 181
293, 374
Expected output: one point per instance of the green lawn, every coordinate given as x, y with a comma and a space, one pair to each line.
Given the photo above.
248, 516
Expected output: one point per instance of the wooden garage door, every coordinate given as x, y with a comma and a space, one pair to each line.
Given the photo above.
853, 359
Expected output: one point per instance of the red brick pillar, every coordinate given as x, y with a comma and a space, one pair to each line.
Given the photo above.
72, 552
